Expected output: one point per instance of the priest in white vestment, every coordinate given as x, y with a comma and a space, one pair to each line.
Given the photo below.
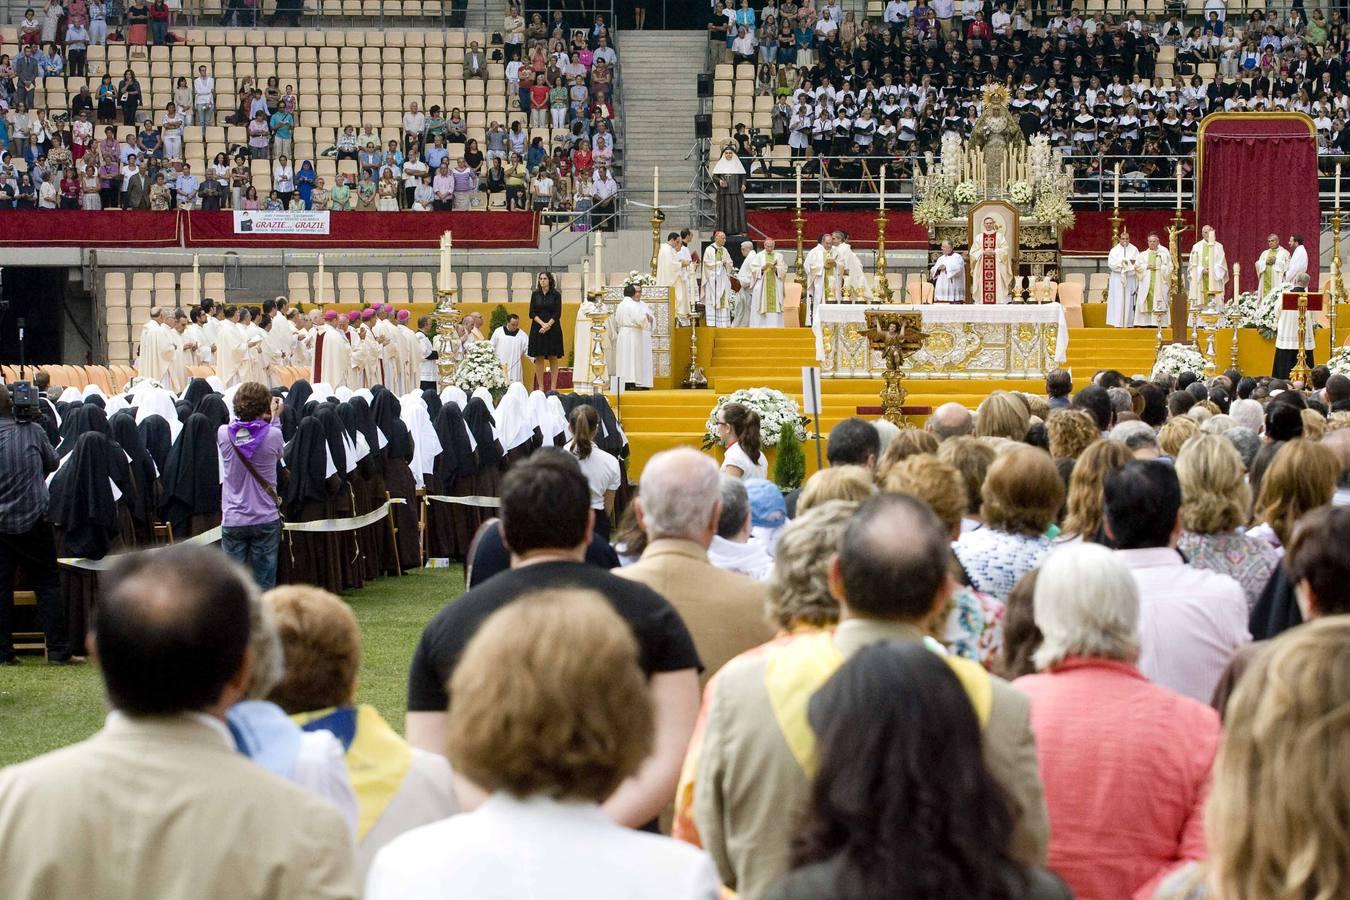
850, 267
822, 277
177, 371
367, 352
333, 352
949, 276
717, 270
257, 359
1207, 270
230, 349
157, 349
1153, 272
990, 264
409, 350
511, 343
1296, 279
740, 317
195, 345
1271, 266
768, 274
582, 375
1123, 286
281, 335
670, 272
383, 329
633, 347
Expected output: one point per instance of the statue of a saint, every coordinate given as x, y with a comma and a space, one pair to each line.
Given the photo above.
992, 134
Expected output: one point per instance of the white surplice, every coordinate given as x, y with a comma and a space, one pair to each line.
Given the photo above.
949, 274
1123, 286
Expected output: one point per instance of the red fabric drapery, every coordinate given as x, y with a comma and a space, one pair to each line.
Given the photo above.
1091, 233
372, 230
1258, 176
88, 228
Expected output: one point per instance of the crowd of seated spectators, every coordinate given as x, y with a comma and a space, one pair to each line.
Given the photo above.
890, 89
558, 77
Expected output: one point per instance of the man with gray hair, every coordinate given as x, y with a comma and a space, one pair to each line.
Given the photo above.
731, 548
1090, 698
679, 507
1139, 438
950, 420
1121, 401
744, 296
157, 349
1245, 441
1248, 414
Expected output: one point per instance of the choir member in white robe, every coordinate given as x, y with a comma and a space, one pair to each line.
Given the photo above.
193, 342
633, 350
1153, 272
230, 348
949, 276
581, 343
1122, 287
1286, 331
210, 325
990, 264
768, 275
157, 349
511, 342
819, 288
1271, 266
333, 352
850, 267
670, 272
1207, 270
741, 300
717, 270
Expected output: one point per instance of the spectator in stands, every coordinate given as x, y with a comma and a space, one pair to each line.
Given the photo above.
513, 32
541, 189
259, 136
250, 200
340, 197
424, 196
1125, 763
282, 125
414, 127
137, 22
443, 187
186, 188
516, 178
128, 95
183, 610
539, 102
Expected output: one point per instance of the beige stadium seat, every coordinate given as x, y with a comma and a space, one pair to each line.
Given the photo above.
1071, 298
522, 283
497, 281
214, 284
471, 287
423, 288
329, 289
396, 286
1096, 289
115, 281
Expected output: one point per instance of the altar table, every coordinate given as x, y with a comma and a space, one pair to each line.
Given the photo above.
1012, 340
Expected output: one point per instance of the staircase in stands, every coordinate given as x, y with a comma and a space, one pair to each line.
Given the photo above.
748, 358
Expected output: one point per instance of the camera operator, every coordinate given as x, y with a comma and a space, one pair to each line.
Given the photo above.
26, 539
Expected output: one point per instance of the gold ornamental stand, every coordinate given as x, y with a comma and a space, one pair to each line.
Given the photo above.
598, 318
884, 292
1337, 286
1300, 371
896, 335
1179, 292
657, 218
799, 221
448, 349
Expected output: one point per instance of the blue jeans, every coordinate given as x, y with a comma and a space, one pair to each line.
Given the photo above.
256, 547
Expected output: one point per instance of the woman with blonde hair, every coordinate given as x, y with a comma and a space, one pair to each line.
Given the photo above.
1083, 522
1215, 499
1022, 495
1003, 414
909, 442
1071, 431
1174, 435
1275, 822
548, 757
1301, 477
851, 483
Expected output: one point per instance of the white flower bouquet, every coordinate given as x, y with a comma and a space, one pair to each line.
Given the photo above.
480, 367
1054, 209
1254, 311
1177, 358
931, 210
776, 411
1339, 362
1020, 192
639, 280
966, 193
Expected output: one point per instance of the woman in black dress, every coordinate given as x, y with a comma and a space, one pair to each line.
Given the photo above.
546, 340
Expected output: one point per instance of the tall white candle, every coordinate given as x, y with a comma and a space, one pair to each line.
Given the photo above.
600, 258
1338, 186
883, 187
1116, 198
318, 291
656, 186
196, 281
1237, 292
799, 186
1178, 186
585, 279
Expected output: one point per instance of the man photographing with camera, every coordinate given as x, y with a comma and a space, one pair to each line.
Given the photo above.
26, 539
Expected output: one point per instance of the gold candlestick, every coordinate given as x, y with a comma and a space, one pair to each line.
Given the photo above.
1233, 320
1337, 292
800, 222
657, 218
448, 348
694, 378
1300, 371
883, 283
1116, 222
598, 318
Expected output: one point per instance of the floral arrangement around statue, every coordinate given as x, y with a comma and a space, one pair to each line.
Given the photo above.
1177, 358
639, 280
1339, 362
1020, 192
943, 193
480, 367
776, 411
966, 193
1251, 310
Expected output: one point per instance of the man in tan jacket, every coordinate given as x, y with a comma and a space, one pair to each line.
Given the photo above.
890, 578
159, 803
678, 507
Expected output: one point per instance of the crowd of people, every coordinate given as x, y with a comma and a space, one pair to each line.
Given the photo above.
1050, 648
852, 96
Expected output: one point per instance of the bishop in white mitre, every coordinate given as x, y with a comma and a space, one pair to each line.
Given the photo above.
1271, 266
768, 276
1123, 286
633, 322
1207, 270
1153, 272
990, 264
949, 276
717, 271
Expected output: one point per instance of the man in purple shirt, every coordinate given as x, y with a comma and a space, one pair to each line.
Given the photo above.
250, 448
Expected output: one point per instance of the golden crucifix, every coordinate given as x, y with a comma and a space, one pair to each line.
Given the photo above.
896, 335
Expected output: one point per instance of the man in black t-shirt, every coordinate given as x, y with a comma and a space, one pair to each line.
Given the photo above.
547, 524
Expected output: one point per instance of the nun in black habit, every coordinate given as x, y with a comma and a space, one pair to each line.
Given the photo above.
488, 478
310, 557
378, 536
191, 479
349, 553
214, 408
86, 521
157, 438
197, 389
398, 476
144, 500
451, 526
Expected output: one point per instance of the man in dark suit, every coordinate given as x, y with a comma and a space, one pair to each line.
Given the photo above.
137, 184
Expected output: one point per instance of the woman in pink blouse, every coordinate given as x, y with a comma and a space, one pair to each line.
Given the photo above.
1125, 763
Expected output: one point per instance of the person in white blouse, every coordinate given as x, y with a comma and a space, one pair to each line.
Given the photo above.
548, 757
738, 430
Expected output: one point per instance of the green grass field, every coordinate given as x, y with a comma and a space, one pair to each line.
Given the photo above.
44, 707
